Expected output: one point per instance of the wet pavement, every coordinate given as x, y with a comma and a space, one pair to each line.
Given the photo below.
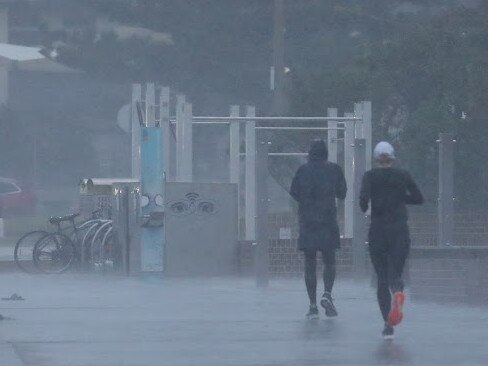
94, 320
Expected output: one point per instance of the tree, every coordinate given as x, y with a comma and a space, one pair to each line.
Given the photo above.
423, 64
428, 76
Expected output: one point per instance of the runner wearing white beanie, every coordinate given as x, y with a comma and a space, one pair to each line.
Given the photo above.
388, 190
384, 150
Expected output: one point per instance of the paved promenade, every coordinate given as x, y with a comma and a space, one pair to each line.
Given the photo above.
81, 320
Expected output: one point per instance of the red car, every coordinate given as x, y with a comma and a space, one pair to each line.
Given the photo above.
15, 198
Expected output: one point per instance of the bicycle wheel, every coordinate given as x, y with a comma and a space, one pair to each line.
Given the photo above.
54, 253
24, 249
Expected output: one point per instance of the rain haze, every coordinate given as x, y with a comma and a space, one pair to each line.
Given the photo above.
252, 182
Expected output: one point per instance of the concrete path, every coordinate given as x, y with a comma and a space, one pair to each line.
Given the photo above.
104, 321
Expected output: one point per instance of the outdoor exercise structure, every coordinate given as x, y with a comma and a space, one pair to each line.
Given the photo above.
168, 222
162, 154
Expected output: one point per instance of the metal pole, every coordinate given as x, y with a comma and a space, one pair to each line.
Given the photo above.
120, 205
279, 98
250, 176
359, 232
235, 159
349, 174
197, 119
150, 105
134, 225
261, 252
286, 128
358, 113
136, 132
234, 149
288, 154
180, 133
126, 223
446, 188
368, 132
165, 127
126, 214
332, 135
226, 123
188, 144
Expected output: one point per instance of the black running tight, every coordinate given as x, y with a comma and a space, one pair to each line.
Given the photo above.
328, 257
388, 247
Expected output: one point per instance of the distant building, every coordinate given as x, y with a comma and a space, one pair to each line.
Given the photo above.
67, 118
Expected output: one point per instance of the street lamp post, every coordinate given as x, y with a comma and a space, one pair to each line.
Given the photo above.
278, 70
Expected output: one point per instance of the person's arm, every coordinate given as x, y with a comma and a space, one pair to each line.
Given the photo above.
295, 186
414, 196
365, 193
341, 185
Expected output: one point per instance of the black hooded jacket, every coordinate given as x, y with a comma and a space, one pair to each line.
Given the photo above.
316, 186
389, 190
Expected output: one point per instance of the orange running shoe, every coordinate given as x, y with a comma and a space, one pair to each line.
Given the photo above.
396, 312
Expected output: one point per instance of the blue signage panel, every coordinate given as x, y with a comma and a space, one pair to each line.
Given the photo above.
152, 179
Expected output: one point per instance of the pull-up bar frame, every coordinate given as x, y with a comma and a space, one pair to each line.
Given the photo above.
355, 126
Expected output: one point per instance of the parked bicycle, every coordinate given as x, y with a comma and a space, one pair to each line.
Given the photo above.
89, 243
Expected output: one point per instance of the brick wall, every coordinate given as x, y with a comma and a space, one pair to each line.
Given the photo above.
452, 274
470, 228
286, 261
449, 274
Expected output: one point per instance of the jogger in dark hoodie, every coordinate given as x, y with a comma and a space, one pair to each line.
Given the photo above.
389, 190
315, 187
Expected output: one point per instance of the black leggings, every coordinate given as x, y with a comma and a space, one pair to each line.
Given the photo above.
328, 257
388, 247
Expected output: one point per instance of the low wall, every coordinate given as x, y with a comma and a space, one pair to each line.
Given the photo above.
470, 229
286, 261
449, 274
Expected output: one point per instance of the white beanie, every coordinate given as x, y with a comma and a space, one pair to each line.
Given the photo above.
384, 148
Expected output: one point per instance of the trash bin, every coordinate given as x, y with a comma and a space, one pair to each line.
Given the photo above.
96, 194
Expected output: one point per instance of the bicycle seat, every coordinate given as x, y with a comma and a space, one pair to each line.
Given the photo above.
57, 220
